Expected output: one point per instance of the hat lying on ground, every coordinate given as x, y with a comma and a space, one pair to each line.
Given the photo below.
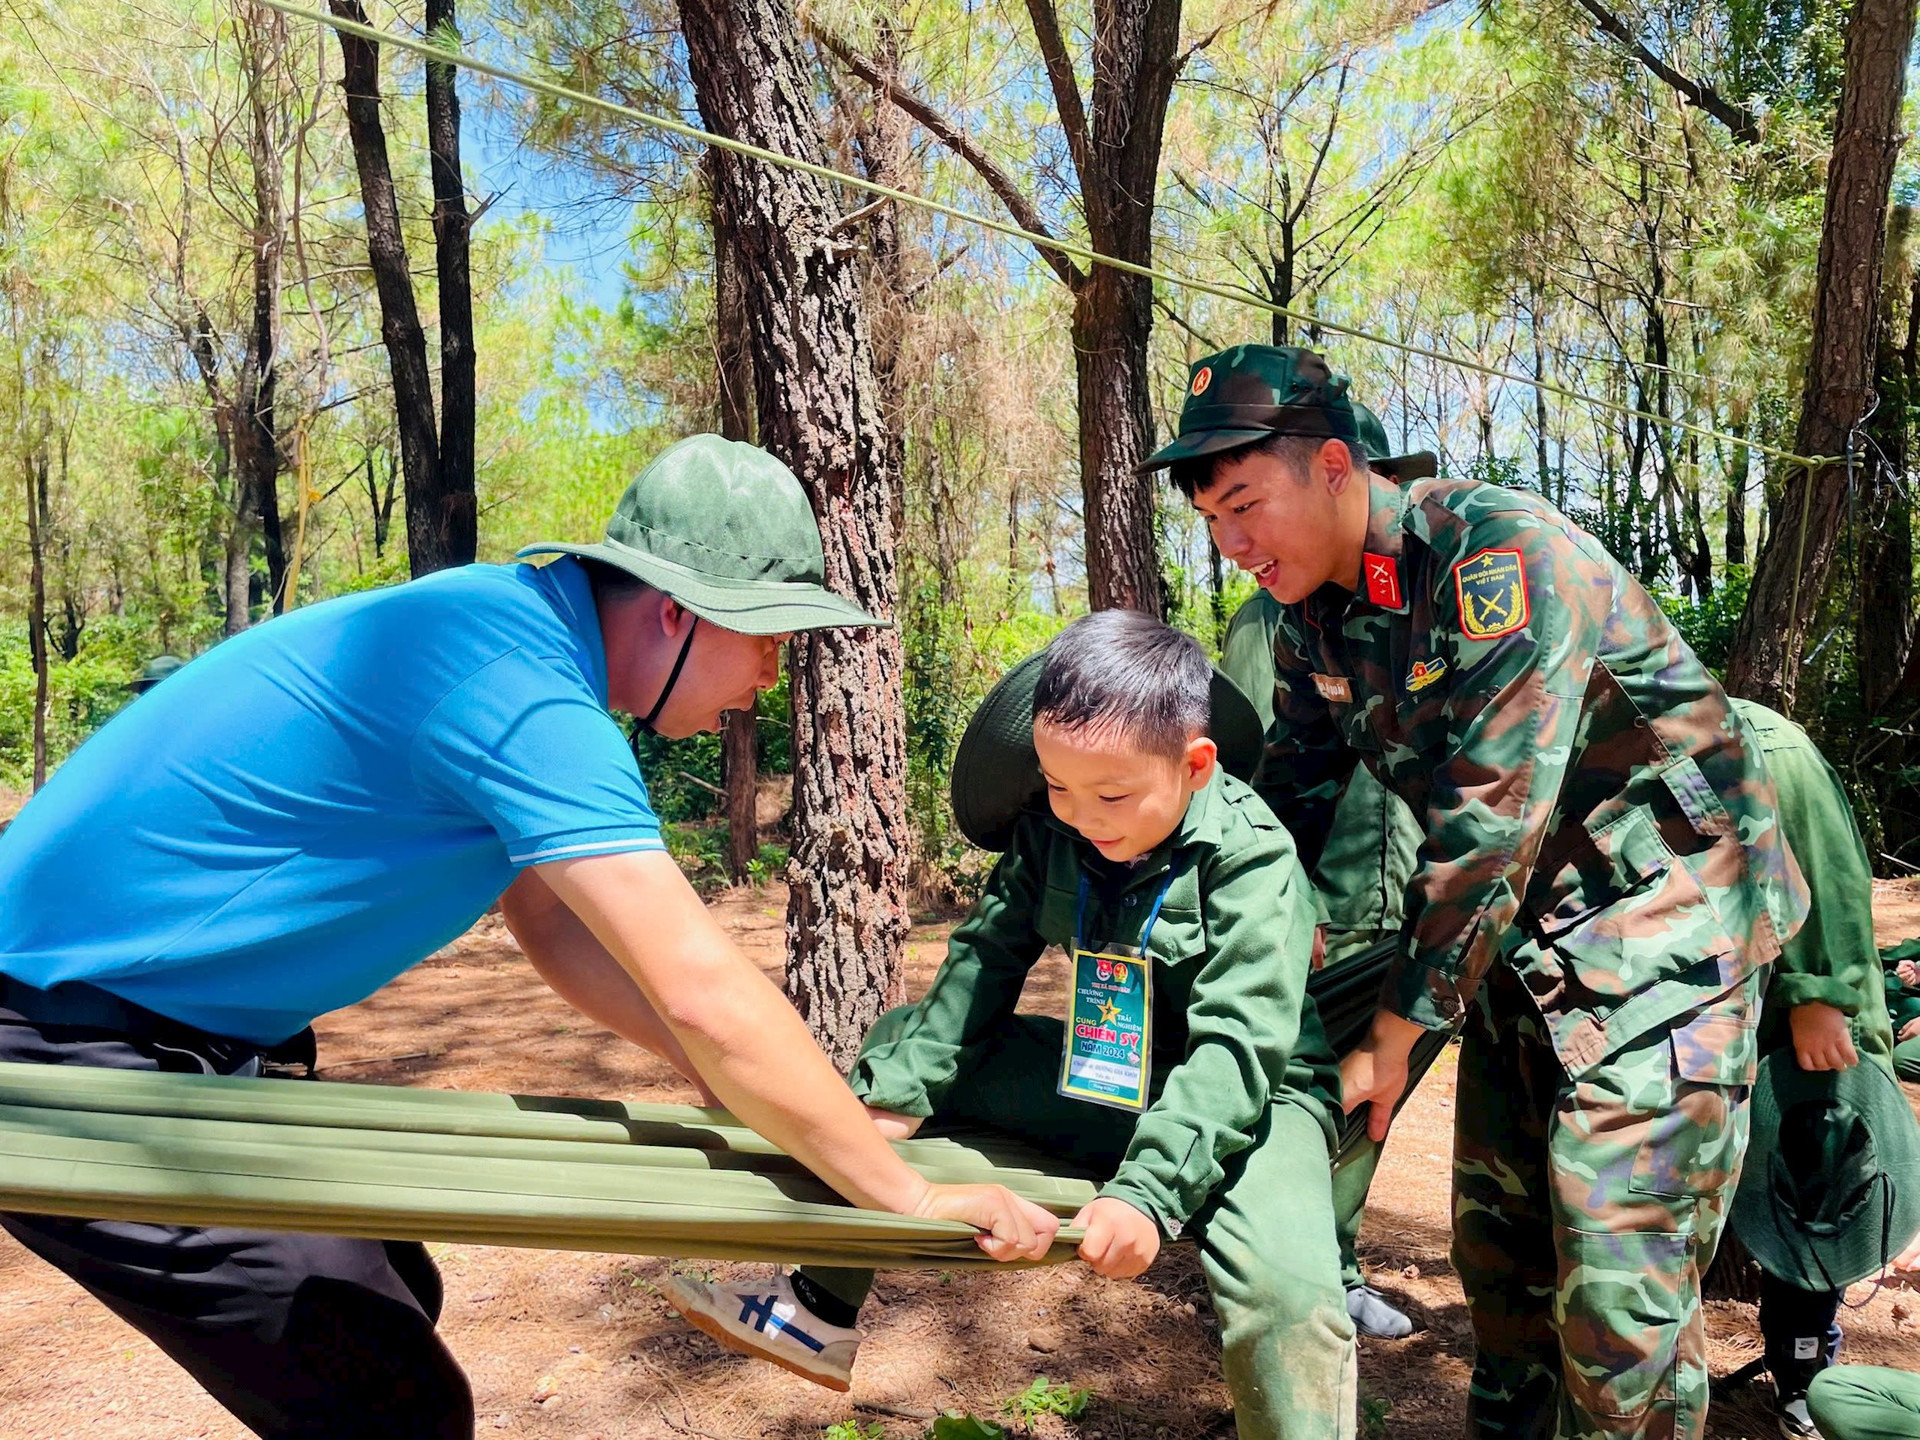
996, 771
1245, 394
725, 529
1831, 1190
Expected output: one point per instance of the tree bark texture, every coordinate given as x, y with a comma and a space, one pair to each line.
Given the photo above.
1810, 520
256, 388
1118, 158
733, 376
406, 342
819, 411
449, 515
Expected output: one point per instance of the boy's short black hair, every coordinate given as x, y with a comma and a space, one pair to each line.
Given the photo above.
1190, 477
1128, 675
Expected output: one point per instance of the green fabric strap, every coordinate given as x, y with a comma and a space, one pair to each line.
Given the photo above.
480, 1168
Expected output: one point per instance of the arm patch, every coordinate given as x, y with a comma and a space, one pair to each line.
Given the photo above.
1492, 590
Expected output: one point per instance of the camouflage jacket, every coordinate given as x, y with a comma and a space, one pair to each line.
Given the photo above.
1591, 809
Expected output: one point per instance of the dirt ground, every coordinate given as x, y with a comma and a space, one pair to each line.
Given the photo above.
563, 1344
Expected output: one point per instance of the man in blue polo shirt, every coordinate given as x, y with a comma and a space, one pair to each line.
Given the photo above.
320, 803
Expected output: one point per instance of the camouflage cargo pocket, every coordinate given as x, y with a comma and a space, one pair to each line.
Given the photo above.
1694, 1134
1623, 1310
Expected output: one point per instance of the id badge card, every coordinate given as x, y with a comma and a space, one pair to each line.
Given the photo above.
1107, 1057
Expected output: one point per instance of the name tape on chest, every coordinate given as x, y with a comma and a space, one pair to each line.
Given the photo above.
1492, 589
1334, 687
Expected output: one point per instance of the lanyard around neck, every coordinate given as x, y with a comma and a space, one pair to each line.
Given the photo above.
1153, 911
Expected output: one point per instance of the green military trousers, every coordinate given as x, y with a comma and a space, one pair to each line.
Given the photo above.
1865, 1402
1266, 1234
1585, 1214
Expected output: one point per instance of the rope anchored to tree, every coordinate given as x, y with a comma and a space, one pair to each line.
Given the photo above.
439, 53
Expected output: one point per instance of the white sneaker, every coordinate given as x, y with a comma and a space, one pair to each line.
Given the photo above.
767, 1320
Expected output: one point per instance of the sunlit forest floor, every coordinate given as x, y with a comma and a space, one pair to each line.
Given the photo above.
591, 1335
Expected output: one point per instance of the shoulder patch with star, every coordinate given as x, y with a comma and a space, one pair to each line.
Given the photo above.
1492, 590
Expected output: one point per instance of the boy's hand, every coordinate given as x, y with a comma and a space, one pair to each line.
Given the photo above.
895, 1126
1910, 1029
1820, 1038
1120, 1241
1014, 1229
1909, 973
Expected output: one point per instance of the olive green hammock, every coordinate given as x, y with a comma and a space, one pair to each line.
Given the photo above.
403, 1164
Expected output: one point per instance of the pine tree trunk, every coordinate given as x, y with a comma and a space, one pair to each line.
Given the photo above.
406, 342
36, 475
733, 375
1135, 44
256, 388
1112, 322
451, 516
819, 411
1805, 530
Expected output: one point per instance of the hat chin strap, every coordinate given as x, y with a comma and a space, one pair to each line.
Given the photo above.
645, 722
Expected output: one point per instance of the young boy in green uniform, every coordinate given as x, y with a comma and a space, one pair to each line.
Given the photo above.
1902, 967
1192, 1067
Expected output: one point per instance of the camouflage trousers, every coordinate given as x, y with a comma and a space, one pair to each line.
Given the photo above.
1585, 1214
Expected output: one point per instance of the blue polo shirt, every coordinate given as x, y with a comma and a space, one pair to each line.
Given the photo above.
322, 801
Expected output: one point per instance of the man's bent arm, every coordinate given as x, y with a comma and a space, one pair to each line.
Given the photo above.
580, 971
754, 1051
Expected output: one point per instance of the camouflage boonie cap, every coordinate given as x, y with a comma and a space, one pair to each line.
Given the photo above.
725, 529
1245, 394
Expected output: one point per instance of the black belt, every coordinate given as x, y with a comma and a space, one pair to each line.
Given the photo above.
78, 1006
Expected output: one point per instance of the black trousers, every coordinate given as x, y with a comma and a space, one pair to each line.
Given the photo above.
299, 1336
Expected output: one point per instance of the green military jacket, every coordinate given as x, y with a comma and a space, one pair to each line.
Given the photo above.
1590, 809
1233, 1028
1367, 856
1832, 959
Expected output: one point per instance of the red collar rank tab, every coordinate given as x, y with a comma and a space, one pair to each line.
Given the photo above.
1383, 580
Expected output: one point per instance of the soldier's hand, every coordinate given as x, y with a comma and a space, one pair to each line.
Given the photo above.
1910, 1029
1013, 1229
1319, 947
1120, 1242
1375, 1071
1909, 973
1820, 1037
893, 1125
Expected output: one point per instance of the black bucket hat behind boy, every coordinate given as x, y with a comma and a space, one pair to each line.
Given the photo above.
996, 771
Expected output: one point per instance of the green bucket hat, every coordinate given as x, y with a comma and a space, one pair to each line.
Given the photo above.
996, 771
725, 529
1245, 394
1831, 1190
154, 671
1414, 465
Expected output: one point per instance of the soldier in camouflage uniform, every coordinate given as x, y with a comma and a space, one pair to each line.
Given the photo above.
1600, 888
